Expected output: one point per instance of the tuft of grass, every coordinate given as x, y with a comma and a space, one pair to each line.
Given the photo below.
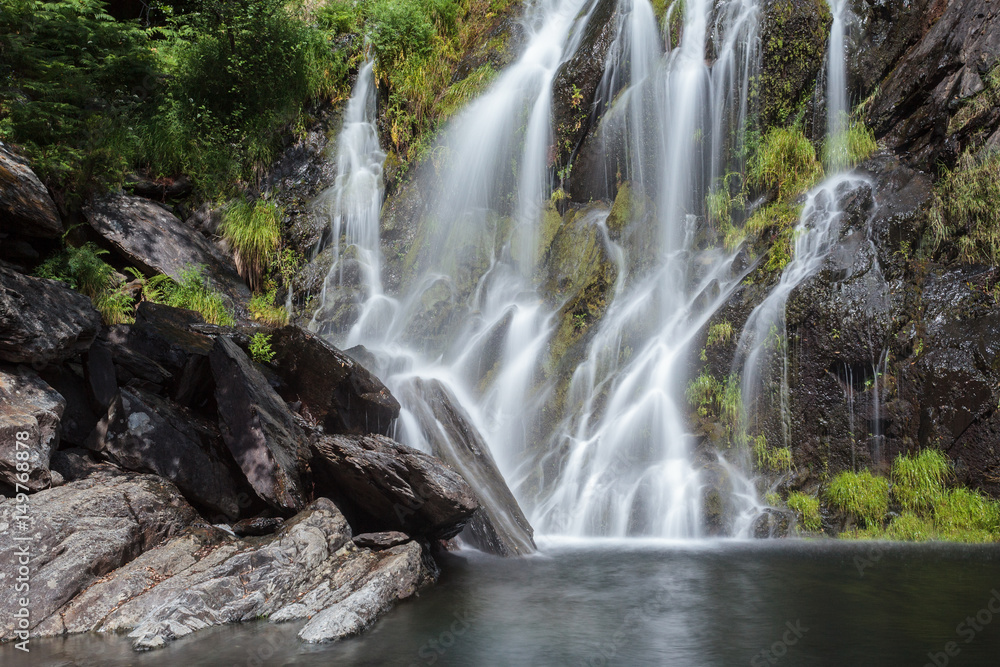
193, 292
785, 161
253, 231
918, 481
807, 508
83, 269
849, 148
263, 308
861, 494
719, 333
965, 210
260, 348
963, 511
776, 459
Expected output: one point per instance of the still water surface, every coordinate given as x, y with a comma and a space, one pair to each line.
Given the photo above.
788, 602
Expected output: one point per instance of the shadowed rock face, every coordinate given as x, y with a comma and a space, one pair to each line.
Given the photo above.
259, 429
84, 530
498, 526
144, 433
43, 321
336, 392
310, 568
25, 205
28, 405
388, 486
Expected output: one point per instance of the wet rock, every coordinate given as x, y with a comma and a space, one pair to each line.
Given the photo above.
259, 429
26, 207
160, 189
43, 321
880, 35
261, 525
163, 335
31, 408
144, 433
380, 541
772, 523
83, 530
383, 485
336, 391
498, 526
152, 238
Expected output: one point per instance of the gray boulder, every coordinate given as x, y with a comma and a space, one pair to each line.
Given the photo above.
25, 205
43, 321
259, 429
27, 406
385, 485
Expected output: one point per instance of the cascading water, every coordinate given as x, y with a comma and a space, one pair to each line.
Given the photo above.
837, 108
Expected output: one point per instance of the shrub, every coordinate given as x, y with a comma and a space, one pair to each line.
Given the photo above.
963, 510
965, 210
260, 348
807, 508
254, 234
398, 29
918, 481
861, 494
786, 160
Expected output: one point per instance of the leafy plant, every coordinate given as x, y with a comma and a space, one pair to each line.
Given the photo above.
807, 508
776, 459
719, 333
260, 348
193, 292
862, 494
83, 270
253, 231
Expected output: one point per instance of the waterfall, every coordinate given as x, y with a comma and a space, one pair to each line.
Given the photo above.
837, 107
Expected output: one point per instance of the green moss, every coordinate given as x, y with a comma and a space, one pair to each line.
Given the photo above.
861, 494
918, 481
807, 509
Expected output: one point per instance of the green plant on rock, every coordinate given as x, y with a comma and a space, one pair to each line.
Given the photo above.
263, 308
774, 459
963, 512
260, 348
83, 270
193, 292
850, 147
253, 231
965, 211
785, 161
861, 494
918, 481
807, 509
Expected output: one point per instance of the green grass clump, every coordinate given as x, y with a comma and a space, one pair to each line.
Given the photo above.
807, 508
853, 146
862, 494
193, 292
83, 270
253, 231
260, 348
719, 333
264, 310
918, 481
786, 161
966, 511
775, 459
965, 212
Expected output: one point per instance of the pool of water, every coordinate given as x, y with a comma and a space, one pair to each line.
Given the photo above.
788, 602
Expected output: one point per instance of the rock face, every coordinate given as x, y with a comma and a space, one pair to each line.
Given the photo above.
259, 429
144, 433
43, 321
30, 407
499, 526
25, 205
152, 238
82, 531
336, 391
388, 486
202, 578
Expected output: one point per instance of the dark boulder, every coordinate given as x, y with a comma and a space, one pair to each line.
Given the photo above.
380, 541
83, 530
336, 391
499, 526
25, 205
154, 239
383, 485
145, 433
256, 526
43, 321
31, 408
101, 377
261, 432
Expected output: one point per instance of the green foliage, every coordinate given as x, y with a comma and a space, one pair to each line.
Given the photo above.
861, 494
719, 333
966, 512
965, 211
193, 292
260, 348
338, 17
75, 79
918, 481
775, 459
807, 508
253, 231
718, 401
786, 161
83, 270
264, 310
398, 29
849, 148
